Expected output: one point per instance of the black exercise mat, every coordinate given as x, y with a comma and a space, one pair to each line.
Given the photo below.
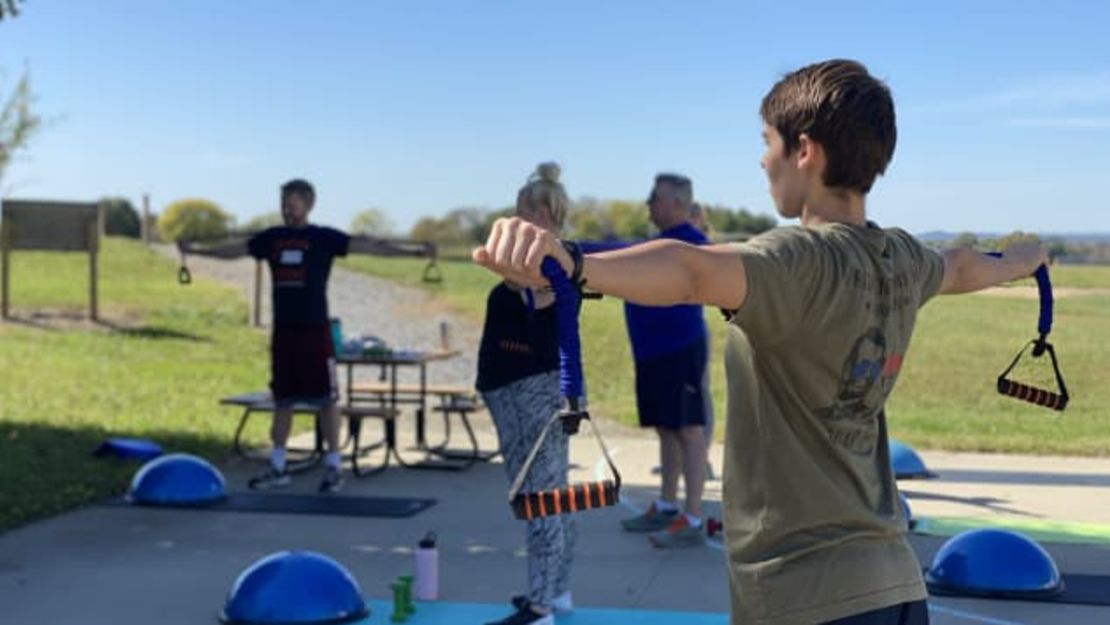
391, 507
1079, 589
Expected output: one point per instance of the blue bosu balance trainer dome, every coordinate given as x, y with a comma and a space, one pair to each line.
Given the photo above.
129, 448
176, 480
294, 587
907, 511
907, 464
993, 563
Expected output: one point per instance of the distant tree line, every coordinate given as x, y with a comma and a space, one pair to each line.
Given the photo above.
1058, 249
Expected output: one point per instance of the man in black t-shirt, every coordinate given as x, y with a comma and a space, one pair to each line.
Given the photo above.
300, 257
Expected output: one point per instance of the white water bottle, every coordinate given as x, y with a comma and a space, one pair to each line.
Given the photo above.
426, 585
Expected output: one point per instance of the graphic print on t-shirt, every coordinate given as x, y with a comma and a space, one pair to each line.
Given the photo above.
868, 374
290, 269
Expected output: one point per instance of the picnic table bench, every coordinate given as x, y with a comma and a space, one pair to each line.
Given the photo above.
262, 401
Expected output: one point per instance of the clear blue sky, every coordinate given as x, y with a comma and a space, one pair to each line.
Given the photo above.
420, 106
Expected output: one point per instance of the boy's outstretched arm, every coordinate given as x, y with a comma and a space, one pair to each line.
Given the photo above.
657, 273
966, 270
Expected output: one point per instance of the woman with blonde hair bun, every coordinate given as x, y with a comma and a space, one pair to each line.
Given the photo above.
518, 377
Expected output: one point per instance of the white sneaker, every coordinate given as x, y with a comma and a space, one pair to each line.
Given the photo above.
563, 603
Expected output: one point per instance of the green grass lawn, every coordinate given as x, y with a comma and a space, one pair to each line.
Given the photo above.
946, 396
1076, 277
155, 369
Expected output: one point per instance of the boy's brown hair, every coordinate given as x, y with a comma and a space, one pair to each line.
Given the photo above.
838, 104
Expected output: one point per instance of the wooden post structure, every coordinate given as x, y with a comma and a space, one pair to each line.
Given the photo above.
257, 306
51, 226
7, 260
96, 228
146, 219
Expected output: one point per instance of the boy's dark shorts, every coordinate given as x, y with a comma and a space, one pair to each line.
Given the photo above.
302, 365
671, 389
910, 613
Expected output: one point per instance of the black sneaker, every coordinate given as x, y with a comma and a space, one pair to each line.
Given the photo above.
525, 615
333, 480
563, 604
272, 478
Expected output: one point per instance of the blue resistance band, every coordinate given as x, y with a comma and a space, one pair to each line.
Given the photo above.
1057, 400
567, 305
1044, 288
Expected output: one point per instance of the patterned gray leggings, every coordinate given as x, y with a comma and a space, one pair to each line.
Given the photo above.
520, 410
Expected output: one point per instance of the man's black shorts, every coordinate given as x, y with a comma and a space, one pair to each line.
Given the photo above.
302, 361
671, 389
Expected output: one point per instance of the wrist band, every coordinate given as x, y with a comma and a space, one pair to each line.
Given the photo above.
575, 251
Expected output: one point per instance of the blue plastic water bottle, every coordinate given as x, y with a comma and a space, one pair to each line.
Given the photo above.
337, 335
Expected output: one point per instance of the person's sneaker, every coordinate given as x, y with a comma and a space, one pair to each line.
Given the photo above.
563, 604
525, 615
332, 481
679, 535
650, 521
272, 478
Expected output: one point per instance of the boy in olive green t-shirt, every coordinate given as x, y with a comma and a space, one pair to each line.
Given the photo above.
821, 319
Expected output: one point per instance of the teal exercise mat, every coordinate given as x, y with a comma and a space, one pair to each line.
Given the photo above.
450, 613
326, 505
1041, 530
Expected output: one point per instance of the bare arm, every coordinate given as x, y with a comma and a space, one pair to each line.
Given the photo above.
657, 273
231, 249
390, 247
966, 270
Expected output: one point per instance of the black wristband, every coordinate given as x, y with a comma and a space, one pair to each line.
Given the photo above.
575, 252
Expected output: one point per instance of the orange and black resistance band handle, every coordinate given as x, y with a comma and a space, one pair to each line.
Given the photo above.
566, 500
1033, 395
1041, 397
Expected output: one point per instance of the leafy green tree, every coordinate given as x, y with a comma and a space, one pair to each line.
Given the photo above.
726, 220
628, 219
9, 8
997, 245
18, 122
261, 222
1056, 248
372, 222
966, 239
121, 218
193, 218
459, 225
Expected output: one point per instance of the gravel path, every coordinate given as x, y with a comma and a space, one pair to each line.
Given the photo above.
406, 318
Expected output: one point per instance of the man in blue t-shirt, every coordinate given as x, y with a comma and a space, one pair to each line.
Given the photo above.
302, 353
670, 348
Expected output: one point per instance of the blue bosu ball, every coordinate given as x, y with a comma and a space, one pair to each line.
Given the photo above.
906, 511
129, 448
993, 563
176, 480
294, 587
907, 464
